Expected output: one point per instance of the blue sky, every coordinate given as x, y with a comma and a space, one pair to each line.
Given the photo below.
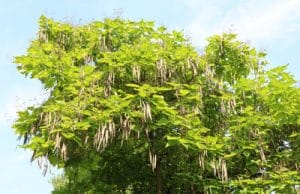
271, 25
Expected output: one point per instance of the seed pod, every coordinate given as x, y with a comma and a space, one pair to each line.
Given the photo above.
201, 161
43, 36
86, 139
43, 164
214, 166
49, 119
40, 120
193, 67
39, 162
107, 91
88, 60
147, 133
153, 160
64, 152
125, 126
161, 70
113, 128
209, 74
177, 94
182, 110
148, 108
223, 109
220, 85
150, 158
57, 142
110, 78
147, 111
136, 72
100, 138
224, 170
106, 137
218, 168
262, 155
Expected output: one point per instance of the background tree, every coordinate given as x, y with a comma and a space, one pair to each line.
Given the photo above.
135, 108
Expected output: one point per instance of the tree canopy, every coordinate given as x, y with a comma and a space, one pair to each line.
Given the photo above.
135, 108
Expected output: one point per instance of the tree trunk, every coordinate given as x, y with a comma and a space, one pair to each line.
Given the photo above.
158, 178
192, 189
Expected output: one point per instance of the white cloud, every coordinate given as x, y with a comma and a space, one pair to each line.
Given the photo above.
258, 21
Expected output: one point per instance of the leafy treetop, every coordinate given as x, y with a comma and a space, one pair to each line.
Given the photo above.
135, 108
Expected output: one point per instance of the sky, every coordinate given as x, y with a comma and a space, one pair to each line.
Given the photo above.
269, 25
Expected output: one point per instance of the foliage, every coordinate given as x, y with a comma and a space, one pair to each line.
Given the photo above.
134, 108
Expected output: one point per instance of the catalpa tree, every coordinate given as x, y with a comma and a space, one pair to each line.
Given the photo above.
134, 108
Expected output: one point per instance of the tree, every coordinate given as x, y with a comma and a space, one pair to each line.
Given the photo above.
134, 108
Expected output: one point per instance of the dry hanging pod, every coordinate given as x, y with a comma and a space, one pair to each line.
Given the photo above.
136, 72
224, 170
149, 115
43, 36
42, 162
214, 166
201, 161
86, 139
45, 168
106, 137
146, 111
194, 68
63, 152
162, 70
41, 119
111, 78
223, 109
99, 138
153, 160
125, 126
57, 141
262, 155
